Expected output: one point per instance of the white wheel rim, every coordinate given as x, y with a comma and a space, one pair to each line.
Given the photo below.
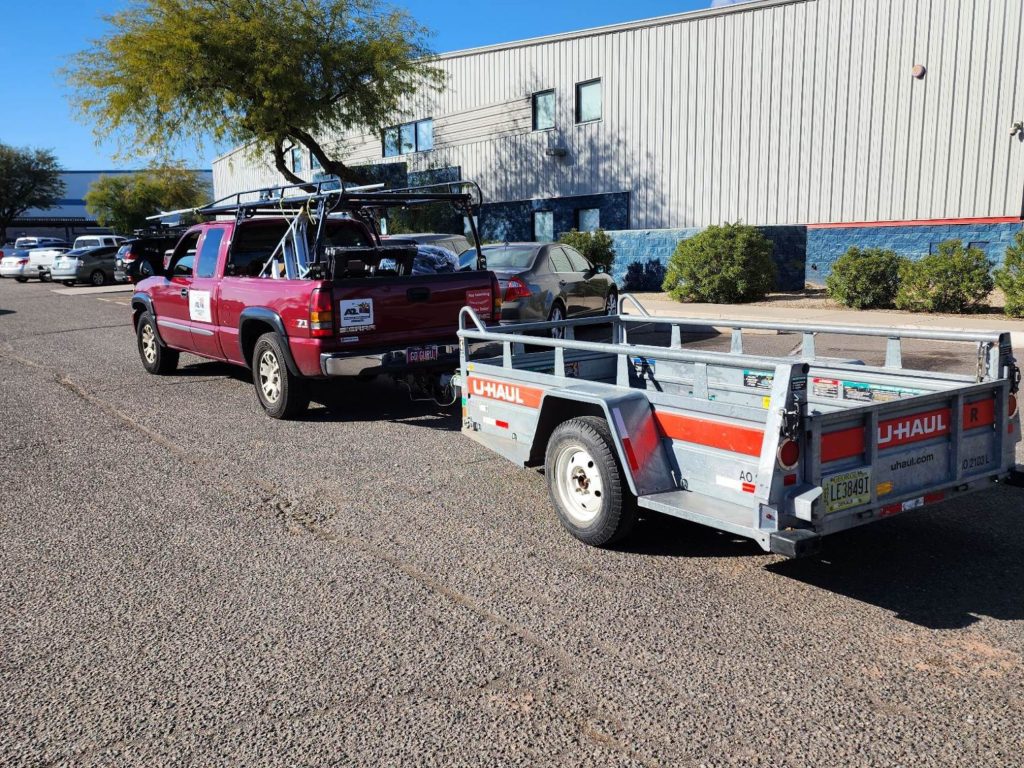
578, 483
609, 304
556, 317
148, 343
270, 376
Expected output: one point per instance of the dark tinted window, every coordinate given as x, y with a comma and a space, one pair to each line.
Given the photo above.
558, 260
208, 253
579, 264
185, 250
183, 266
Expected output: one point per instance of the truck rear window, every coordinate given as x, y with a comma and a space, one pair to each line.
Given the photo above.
253, 245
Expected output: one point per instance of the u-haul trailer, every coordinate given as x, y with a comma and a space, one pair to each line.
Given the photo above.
779, 450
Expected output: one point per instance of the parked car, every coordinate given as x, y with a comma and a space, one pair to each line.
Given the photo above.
25, 243
142, 257
463, 254
13, 265
549, 281
92, 241
40, 260
85, 265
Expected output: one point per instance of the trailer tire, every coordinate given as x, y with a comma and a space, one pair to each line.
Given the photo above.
586, 483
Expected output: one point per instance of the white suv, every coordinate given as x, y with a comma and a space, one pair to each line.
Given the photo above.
94, 241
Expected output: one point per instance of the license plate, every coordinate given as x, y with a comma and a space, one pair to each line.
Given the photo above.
847, 489
421, 354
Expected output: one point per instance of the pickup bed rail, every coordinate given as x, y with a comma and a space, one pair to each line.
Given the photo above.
781, 450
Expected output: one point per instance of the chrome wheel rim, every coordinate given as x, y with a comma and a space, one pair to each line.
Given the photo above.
557, 317
97, 278
148, 343
270, 376
578, 484
610, 303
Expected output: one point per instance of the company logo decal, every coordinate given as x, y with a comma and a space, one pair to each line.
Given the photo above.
505, 392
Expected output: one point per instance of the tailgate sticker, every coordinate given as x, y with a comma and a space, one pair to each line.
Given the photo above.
199, 306
847, 489
356, 313
480, 301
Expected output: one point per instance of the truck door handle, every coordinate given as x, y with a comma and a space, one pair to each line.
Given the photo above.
184, 291
418, 294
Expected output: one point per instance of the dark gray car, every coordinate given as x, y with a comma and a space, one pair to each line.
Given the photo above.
549, 281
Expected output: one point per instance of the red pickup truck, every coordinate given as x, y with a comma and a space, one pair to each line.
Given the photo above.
295, 303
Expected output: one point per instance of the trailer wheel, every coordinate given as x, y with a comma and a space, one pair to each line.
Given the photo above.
586, 484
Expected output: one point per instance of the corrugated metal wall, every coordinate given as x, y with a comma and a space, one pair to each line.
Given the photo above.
780, 113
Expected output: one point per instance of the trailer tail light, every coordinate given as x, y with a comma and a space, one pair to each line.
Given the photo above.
1012, 405
321, 315
516, 289
788, 454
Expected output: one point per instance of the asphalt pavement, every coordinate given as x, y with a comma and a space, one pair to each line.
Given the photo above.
184, 581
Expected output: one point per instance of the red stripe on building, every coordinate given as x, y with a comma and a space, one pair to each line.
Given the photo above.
917, 223
714, 434
844, 443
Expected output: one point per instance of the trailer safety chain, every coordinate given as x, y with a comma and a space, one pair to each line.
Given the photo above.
791, 418
983, 349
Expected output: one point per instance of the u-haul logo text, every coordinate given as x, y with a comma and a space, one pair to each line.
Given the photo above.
913, 428
504, 392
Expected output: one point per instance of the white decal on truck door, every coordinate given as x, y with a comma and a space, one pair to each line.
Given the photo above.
199, 306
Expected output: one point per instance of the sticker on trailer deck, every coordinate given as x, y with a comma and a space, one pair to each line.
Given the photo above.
862, 392
827, 388
199, 306
846, 489
642, 366
356, 313
758, 379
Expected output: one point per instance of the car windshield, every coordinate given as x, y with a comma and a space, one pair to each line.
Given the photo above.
510, 256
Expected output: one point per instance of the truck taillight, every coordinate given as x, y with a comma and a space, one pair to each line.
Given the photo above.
788, 454
321, 315
496, 293
516, 289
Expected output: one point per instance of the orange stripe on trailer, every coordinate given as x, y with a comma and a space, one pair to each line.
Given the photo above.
504, 392
714, 434
844, 443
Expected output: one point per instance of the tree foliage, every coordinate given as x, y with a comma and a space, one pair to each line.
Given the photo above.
1010, 277
726, 264
29, 178
124, 201
271, 73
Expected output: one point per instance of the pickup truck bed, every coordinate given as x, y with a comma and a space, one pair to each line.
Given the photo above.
779, 450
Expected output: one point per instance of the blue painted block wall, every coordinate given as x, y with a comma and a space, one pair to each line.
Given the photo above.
641, 245
826, 245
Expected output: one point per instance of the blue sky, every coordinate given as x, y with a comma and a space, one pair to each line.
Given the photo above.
42, 34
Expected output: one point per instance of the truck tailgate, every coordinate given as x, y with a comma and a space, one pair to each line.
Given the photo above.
404, 311
899, 455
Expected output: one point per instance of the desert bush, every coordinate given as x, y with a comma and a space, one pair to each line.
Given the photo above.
726, 264
1010, 277
865, 278
953, 279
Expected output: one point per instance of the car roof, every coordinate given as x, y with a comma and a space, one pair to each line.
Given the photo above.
495, 246
425, 237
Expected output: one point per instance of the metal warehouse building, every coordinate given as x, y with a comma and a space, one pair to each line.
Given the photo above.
828, 122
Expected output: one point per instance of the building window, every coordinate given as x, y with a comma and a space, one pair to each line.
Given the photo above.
296, 160
588, 101
544, 110
543, 226
314, 164
408, 138
588, 219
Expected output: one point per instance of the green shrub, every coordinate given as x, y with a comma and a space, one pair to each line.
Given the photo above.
865, 279
597, 247
954, 279
1010, 277
724, 265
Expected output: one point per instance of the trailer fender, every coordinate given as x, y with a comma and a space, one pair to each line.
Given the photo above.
638, 444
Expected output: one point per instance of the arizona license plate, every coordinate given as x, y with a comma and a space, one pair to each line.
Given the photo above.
847, 489
421, 354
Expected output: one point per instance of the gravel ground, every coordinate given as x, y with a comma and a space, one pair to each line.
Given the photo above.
186, 582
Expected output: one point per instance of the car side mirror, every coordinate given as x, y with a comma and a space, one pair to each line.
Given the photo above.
600, 270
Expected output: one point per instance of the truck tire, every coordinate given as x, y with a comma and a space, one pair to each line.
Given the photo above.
282, 394
586, 483
156, 358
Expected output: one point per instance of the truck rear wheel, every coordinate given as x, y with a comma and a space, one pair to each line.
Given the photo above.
282, 394
156, 358
586, 484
